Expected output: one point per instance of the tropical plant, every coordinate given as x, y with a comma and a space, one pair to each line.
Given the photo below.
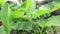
25, 17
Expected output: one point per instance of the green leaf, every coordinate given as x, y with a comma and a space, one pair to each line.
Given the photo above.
49, 7
19, 13
5, 18
54, 20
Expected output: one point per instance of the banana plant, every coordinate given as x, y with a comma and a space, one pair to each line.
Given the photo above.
29, 6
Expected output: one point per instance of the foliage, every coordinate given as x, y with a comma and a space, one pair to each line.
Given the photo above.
24, 17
